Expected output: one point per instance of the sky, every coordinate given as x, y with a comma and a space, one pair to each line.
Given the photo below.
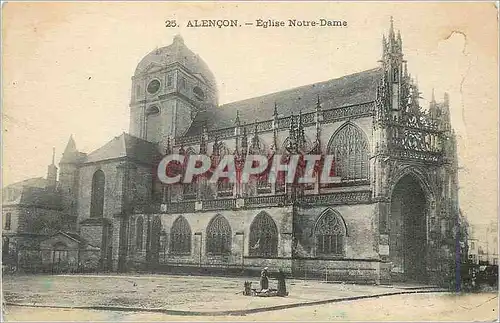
67, 69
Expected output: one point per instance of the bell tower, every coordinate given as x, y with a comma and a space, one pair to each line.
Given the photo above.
170, 86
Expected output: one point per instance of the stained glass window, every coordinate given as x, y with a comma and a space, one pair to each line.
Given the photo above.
350, 150
180, 237
219, 236
330, 234
263, 236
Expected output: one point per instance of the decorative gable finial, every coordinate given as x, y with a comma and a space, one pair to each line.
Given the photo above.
244, 140
318, 104
168, 148
237, 120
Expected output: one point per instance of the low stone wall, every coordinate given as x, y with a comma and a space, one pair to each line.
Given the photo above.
343, 270
255, 264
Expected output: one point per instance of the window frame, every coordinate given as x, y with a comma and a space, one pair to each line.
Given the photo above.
219, 243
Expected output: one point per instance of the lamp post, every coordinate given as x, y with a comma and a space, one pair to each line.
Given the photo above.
242, 233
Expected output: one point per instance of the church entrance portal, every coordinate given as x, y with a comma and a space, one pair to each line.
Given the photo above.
408, 231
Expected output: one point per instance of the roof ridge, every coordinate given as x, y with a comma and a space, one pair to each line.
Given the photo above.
300, 86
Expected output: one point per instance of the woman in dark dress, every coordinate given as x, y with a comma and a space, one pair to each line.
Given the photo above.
281, 284
264, 280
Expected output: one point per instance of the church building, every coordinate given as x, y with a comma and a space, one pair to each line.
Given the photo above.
390, 216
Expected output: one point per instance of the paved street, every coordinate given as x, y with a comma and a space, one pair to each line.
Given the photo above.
413, 307
185, 293
196, 295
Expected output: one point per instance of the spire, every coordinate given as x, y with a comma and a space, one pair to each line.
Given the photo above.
318, 121
301, 137
168, 148
244, 141
391, 29
53, 155
70, 154
70, 146
237, 120
433, 98
318, 105
300, 126
203, 142
255, 147
215, 146
275, 110
445, 113
392, 45
52, 172
292, 127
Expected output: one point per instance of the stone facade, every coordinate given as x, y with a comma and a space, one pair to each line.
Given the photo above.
391, 156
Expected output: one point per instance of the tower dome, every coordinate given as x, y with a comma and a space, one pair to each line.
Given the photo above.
177, 52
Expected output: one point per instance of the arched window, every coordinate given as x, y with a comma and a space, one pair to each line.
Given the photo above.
180, 237
219, 236
263, 236
350, 150
97, 195
330, 233
139, 234
8, 219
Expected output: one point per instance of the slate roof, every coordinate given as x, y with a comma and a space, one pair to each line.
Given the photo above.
124, 145
30, 182
31, 192
40, 197
348, 90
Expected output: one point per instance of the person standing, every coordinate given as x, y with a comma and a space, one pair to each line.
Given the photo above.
281, 283
264, 279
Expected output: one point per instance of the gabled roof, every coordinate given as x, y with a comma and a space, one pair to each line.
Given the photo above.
75, 237
348, 90
124, 145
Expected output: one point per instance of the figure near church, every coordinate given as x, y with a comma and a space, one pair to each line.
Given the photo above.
264, 279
